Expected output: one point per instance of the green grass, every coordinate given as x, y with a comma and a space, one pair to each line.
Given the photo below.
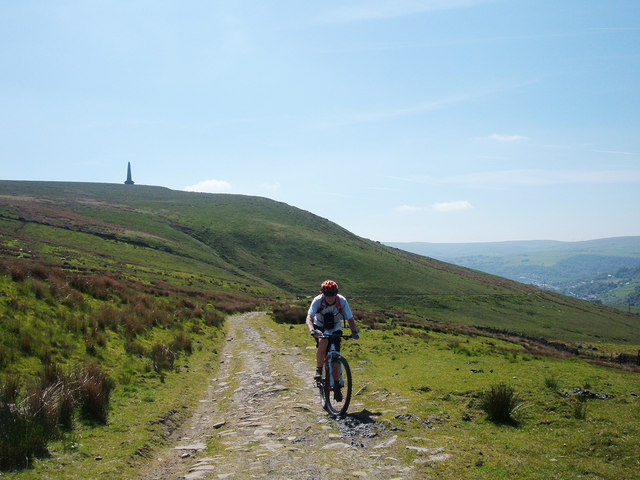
143, 410
175, 257
262, 247
51, 317
433, 379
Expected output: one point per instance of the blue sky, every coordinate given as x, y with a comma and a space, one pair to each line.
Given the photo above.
436, 121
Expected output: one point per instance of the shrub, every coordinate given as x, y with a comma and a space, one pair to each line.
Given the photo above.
98, 286
95, 390
38, 270
74, 300
50, 375
501, 403
106, 317
67, 403
6, 356
213, 318
90, 344
18, 271
10, 389
290, 314
162, 357
42, 408
235, 306
134, 348
182, 342
39, 289
132, 325
26, 343
20, 437
159, 318
27, 426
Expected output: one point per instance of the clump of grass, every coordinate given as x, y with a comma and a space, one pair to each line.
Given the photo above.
21, 437
27, 426
551, 382
501, 403
18, 271
182, 342
10, 389
134, 348
95, 391
579, 411
212, 318
39, 288
162, 357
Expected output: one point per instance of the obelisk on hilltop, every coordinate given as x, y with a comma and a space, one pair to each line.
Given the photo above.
128, 181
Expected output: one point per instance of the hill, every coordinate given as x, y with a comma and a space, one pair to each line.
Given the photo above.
116, 348
268, 249
603, 270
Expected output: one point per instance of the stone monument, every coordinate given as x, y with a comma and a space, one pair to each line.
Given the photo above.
128, 181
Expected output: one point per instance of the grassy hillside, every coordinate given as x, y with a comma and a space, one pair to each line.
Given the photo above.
135, 281
266, 248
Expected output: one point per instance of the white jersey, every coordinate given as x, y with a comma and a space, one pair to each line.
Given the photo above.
340, 310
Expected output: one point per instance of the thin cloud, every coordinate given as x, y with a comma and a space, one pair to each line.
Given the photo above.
407, 208
452, 206
394, 113
355, 118
523, 178
209, 186
507, 178
507, 138
381, 10
613, 152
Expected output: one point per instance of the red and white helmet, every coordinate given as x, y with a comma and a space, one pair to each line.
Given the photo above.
329, 287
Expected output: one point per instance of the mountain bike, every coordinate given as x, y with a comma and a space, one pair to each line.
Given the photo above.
336, 372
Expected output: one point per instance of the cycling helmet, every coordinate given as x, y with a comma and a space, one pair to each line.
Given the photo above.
329, 287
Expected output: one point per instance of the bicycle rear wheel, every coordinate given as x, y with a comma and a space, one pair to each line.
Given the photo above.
338, 408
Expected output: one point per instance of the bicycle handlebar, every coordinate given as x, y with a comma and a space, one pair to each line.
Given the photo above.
333, 335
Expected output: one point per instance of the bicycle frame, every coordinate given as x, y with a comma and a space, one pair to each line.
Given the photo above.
335, 366
333, 356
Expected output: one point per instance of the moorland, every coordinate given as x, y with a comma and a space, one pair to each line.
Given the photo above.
117, 295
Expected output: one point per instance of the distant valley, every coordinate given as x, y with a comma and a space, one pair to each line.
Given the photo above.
603, 271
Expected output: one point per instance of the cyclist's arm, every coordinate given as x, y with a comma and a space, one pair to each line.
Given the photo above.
352, 324
310, 323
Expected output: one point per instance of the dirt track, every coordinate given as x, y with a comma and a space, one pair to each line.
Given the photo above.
261, 418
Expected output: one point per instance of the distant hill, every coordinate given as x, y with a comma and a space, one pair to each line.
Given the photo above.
605, 270
263, 248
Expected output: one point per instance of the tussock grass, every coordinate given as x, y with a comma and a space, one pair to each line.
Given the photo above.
501, 403
94, 393
29, 423
579, 409
551, 382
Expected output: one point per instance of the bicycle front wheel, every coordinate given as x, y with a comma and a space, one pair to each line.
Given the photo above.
338, 396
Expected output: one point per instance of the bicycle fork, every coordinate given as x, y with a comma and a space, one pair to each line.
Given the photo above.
334, 368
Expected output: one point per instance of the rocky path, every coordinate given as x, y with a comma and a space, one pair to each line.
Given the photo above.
261, 419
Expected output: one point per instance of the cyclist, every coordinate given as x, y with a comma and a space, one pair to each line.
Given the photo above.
325, 316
